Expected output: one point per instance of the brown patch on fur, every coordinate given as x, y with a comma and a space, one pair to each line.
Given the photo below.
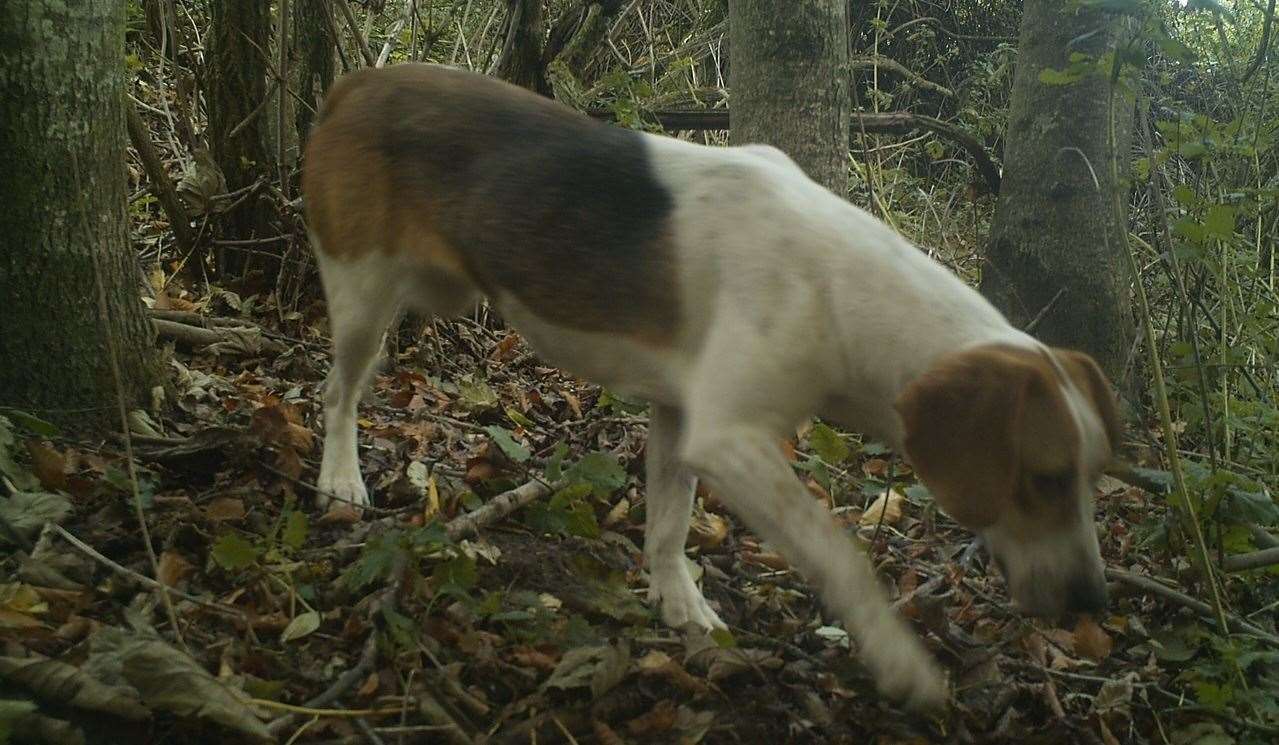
521, 195
989, 429
1091, 381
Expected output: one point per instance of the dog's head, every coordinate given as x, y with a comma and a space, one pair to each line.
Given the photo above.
1011, 443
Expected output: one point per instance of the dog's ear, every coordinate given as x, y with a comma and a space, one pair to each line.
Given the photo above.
975, 420
1088, 376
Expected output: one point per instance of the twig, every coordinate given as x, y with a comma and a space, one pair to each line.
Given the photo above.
114, 364
439, 716
1234, 623
124, 571
1042, 314
368, 657
891, 64
360, 43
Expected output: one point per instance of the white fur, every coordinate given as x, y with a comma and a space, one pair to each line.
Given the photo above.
794, 303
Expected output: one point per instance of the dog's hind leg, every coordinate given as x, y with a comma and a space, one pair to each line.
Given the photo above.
668, 508
360, 309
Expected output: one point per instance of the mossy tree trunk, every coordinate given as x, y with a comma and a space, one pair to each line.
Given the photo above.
313, 54
64, 221
1057, 236
236, 86
788, 82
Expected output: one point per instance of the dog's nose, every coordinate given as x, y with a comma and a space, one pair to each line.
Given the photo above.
1086, 594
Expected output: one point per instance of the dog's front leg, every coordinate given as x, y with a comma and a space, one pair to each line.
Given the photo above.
668, 508
745, 466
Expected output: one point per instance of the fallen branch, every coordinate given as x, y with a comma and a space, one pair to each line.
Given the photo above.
1254, 560
886, 63
497, 508
1148, 584
244, 339
892, 122
161, 185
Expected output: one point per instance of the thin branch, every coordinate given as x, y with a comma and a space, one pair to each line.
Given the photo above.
886, 63
1150, 585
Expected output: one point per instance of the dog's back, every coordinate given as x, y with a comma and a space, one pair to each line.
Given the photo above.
475, 178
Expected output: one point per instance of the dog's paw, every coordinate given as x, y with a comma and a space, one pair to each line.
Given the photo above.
341, 490
905, 672
683, 606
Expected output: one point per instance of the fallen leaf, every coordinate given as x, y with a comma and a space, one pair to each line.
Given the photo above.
889, 505
27, 512
63, 684
597, 667
661, 718
48, 465
301, 625
707, 530
1091, 640
340, 514
173, 568
168, 680
225, 509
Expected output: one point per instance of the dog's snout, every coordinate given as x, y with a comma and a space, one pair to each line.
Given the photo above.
1086, 595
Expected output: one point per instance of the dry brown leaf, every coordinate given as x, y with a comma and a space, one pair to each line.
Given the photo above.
48, 465
368, 687
707, 530
173, 568
875, 467
660, 718
889, 505
617, 513
225, 509
658, 663
340, 514
1091, 640
534, 658
818, 491
770, 559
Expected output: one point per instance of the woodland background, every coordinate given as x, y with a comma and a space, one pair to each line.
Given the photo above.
1104, 170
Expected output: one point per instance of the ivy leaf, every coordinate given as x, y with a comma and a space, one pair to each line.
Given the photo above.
376, 560
455, 576
233, 552
506, 441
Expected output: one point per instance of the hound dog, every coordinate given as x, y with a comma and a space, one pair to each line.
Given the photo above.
735, 295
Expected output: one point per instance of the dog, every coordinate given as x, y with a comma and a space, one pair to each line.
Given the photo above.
736, 296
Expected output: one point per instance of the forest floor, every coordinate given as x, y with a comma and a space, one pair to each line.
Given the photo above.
401, 625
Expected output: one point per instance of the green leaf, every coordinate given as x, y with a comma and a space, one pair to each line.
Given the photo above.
295, 529
32, 423
476, 393
554, 464
1220, 221
301, 625
233, 552
375, 562
455, 576
21, 477
1184, 195
828, 444
723, 638
601, 470
506, 441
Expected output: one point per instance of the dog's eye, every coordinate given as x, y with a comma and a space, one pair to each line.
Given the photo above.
1053, 483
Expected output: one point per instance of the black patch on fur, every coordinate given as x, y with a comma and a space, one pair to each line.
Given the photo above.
539, 201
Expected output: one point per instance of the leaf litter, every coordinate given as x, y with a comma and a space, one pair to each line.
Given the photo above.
322, 628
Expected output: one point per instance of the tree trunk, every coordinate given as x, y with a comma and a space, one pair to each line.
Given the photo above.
521, 59
238, 41
64, 224
1054, 230
788, 80
313, 54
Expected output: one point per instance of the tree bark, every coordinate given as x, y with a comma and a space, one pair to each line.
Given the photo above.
788, 78
521, 59
64, 223
238, 41
313, 50
1055, 230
